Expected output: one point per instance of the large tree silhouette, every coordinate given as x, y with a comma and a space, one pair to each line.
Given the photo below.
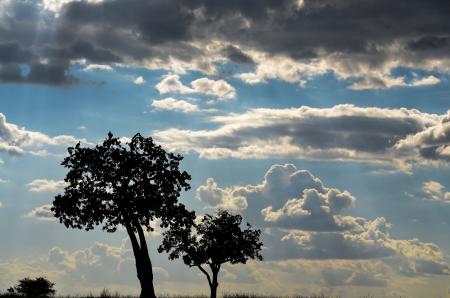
214, 241
128, 184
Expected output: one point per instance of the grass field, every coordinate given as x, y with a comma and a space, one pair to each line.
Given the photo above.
107, 294
177, 296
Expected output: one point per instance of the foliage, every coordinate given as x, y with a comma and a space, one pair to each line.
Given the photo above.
38, 287
129, 184
214, 241
117, 184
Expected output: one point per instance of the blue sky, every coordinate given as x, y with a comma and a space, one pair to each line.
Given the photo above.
337, 149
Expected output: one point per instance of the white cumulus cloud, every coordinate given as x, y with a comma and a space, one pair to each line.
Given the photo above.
139, 80
44, 185
172, 104
220, 89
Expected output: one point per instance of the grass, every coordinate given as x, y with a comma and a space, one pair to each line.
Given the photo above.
107, 294
178, 296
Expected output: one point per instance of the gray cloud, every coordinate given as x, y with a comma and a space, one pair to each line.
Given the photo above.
287, 198
334, 277
354, 41
43, 213
16, 140
220, 89
44, 185
434, 190
314, 211
431, 143
398, 137
304, 219
237, 56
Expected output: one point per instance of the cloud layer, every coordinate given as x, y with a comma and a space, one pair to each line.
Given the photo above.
399, 137
220, 89
304, 219
44, 185
16, 140
288, 39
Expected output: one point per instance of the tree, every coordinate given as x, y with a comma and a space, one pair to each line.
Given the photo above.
39, 287
214, 241
129, 184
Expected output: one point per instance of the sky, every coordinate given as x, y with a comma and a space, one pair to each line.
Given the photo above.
324, 123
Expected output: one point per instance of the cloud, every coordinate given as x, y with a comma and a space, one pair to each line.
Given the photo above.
287, 198
426, 81
221, 89
42, 213
201, 35
304, 219
384, 81
236, 55
171, 84
399, 137
435, 191
139, 80
220, 198
44, 185
178, 105
101, 265
172, 104
334, 277
93, 67
56, 5
314, 210
17, 140
431, 143
88, 269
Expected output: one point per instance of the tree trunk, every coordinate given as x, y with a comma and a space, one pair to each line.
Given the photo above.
143, 263
214, 284
146, 280
145, 276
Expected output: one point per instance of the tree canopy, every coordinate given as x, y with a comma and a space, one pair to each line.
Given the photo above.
124, 183
115, 184
215, 240
38, 287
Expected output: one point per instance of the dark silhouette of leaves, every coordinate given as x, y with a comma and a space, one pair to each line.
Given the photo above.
128, 184
214, 241
39, 287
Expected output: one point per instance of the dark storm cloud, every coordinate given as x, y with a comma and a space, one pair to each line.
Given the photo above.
10, 72
237, 56
53, 73
429, 43
157, 21
13, 53
136, 30
83, 49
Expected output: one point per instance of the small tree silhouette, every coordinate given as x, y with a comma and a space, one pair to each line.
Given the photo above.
214, 241
39, 287
124, 184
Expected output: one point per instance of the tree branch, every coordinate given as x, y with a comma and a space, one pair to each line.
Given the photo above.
142, 241
206, 273
134, 242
